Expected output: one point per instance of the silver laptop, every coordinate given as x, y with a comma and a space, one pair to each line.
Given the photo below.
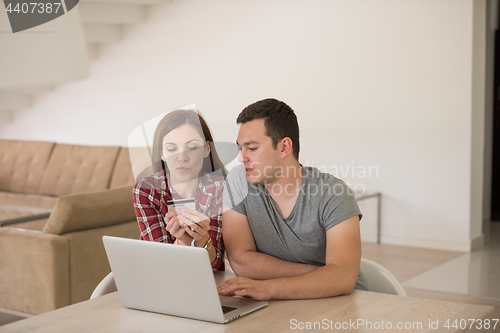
171, 279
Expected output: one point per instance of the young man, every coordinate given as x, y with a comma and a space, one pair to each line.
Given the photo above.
291, 232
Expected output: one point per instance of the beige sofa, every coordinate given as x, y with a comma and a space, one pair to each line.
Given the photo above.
48, 263
34, 174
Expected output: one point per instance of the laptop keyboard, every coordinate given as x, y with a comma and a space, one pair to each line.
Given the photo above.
226, 309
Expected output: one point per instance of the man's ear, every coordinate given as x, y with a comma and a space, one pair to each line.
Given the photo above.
286, 147
207, 149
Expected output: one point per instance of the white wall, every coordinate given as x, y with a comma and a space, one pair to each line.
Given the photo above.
385, 83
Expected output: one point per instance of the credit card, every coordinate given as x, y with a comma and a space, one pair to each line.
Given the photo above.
182, 204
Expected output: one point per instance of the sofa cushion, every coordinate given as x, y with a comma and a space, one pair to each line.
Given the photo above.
84, 211
77, 169
22, 164
33, 225
27, 200
19, 212
122, 172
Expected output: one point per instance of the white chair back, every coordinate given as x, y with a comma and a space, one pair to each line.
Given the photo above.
106, 286
379, 279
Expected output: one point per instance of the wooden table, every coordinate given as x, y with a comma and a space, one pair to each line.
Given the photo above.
355, 312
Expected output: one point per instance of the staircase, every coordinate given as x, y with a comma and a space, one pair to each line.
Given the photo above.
103, 23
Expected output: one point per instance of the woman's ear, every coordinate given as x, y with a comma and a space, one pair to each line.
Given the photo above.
207, 149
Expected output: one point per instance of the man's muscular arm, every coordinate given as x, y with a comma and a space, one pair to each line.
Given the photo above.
243, 256
337, 277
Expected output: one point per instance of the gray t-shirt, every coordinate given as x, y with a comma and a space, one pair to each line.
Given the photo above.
323, 202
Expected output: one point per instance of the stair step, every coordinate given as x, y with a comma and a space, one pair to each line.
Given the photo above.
111, 13
102, 33
14, 101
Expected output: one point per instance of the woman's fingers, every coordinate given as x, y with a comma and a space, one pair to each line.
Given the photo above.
171, 217
187, 224
195, 231
190, 217
174, 227
173, 224
171, 213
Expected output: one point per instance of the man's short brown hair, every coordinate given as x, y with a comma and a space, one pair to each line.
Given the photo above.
279, 119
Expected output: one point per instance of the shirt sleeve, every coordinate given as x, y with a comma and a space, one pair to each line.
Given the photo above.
147, 211
236, 190
339, 205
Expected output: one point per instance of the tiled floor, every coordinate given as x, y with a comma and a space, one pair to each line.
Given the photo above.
445, 275
451, 276
475, 274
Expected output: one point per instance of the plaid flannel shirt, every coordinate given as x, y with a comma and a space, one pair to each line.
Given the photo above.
150, 202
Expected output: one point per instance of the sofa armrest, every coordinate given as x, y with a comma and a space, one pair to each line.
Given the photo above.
78, 212
34, 271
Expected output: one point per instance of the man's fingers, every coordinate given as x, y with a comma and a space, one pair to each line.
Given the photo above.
237, 291
231, 285
244, 292
244, 287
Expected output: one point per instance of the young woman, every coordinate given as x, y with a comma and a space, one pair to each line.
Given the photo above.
185, 166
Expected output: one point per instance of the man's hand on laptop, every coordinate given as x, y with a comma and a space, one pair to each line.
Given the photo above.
257, 289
